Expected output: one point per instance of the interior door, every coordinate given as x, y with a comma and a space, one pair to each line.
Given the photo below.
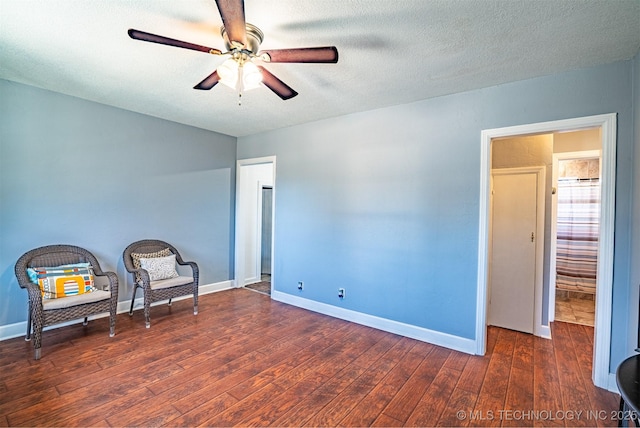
513, 251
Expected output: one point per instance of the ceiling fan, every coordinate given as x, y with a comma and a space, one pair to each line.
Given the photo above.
242, 41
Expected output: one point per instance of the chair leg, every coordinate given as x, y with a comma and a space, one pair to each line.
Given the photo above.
112, 324
147, 310
28, 336
38, 324
113, 312
195, 302
133, 299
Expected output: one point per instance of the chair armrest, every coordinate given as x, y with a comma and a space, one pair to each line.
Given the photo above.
35, 294
194, 268
144, 275
113, 282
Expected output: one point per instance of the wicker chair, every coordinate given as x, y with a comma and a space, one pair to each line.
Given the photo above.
163, 289
45, 312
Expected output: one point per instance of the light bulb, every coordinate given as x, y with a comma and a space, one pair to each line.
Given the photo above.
251, 76
228, 73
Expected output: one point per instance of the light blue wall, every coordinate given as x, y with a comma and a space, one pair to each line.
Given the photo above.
386, 203
635, 249
81, 173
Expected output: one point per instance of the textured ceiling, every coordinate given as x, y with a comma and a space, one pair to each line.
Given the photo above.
391, 52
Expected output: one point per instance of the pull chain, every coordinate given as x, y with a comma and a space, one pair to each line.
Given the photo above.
240, 82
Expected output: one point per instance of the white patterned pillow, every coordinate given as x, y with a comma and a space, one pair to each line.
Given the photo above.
160, 267
135, 257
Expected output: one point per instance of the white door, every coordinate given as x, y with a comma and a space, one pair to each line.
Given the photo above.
513, 251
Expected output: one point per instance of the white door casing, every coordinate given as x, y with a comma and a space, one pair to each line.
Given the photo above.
249, 172
604, 288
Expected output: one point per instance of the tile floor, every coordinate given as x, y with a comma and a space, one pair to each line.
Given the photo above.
576, 308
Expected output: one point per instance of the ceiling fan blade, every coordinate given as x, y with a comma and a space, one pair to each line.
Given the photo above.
327, 54
209, 82
154, 38
232, 14
276, 85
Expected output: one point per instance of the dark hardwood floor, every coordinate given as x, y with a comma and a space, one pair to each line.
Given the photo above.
249, 361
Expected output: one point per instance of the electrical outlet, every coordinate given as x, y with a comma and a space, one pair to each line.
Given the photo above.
300, 285
341, 293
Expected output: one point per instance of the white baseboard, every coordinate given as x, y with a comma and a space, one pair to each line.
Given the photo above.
18, 329
202, 290
437, 338
544, 331
613, 384
10, 331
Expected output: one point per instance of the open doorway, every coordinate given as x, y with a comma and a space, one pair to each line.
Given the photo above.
255, 192
607, 127
575, 227
264, 235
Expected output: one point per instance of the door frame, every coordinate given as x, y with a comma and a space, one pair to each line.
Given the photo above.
539, 171
604, 288
553, 245
240, 232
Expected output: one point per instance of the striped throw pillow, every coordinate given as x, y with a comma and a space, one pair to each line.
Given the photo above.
62, 281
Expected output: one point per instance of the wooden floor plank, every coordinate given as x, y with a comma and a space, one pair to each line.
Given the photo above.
403, 404
429, 409
574, 392
459, 405
250, 361
581, 337
290, 398
386, 421
204, 409
519, 398
319, 398
473, 374
369, 409
341, 406
106, 410
547, 394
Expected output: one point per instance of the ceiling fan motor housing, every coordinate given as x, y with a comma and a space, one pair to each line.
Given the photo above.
254, 38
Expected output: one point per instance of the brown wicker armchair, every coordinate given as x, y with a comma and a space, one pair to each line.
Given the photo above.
159, 289
45, 312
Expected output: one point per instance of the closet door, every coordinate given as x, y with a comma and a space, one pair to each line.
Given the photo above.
513, 259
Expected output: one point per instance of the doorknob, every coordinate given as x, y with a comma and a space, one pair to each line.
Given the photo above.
531, 236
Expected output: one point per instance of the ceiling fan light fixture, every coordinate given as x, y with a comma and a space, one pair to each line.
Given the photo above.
228, 72
232, 72
251, 76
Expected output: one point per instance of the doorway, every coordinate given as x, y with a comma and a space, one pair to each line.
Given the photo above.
607, 124
575, 232
255, 214
266, 215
